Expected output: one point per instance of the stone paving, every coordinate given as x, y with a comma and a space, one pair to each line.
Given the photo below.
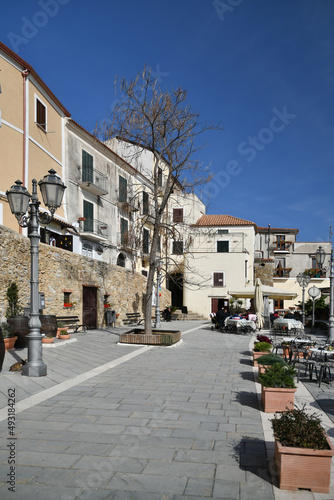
127, 422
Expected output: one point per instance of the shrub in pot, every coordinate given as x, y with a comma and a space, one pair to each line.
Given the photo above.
267, 360
303, 451
259, 349
278, 388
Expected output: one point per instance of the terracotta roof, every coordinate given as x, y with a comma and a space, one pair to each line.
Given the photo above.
223, 220
31, 70
261, 229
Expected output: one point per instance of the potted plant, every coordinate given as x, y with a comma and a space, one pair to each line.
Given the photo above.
61, 327
48, 339
267, 360
14, 315
303, 451
259, 349
278, 388
8, 337
64, 335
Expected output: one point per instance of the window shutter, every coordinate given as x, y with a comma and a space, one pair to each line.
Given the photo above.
177, 214
222, 246
218, 279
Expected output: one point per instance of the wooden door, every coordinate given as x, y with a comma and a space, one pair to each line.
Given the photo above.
89, 313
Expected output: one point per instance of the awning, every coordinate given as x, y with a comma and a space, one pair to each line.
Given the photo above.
271, 291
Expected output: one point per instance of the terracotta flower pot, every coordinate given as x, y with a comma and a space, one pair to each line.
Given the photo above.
304, 467
9, 343
63, 328
65, 337
47, 340
277, 399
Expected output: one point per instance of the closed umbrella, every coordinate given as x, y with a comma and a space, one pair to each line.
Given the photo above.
258, 303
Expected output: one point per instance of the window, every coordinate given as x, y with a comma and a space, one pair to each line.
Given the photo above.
222, 246
280, 242
178, 247
222, 231
146, 240
87, 250
145, 203
121, 260
67, 298
123, 188
87, 167
218, 279
159, 177
40, 114
124, 232
88, 213
177, 214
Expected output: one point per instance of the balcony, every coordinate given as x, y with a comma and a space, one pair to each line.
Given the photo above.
281, 246
93, 230
126, 241
282, 272
315, 273
128, 206
93, 181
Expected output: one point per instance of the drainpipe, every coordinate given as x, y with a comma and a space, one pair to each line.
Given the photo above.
25, 73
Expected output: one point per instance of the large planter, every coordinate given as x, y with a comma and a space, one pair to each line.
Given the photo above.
275, 399
20, 328
48, 324
257, 354
158, 337
10, 343
304, 467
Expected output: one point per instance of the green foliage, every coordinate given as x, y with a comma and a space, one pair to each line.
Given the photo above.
279, 376
262, 346
299, 429
320, 307
6, 330
12, 296
270, 359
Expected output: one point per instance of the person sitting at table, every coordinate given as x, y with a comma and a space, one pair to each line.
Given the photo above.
289, 315
252, 317
221, 315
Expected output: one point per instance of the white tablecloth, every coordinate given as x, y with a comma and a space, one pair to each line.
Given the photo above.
288, 323
240, 323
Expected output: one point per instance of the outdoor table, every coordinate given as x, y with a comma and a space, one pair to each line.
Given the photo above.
288, 324
240, 324
297, 341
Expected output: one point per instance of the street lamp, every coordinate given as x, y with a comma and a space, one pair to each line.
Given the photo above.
157, 302
320, 258
313, 292
21, 202
303, 281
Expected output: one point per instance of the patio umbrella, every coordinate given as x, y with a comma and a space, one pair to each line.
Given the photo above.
258, 303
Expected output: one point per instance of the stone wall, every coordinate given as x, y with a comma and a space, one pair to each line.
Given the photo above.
62, 271
264, 269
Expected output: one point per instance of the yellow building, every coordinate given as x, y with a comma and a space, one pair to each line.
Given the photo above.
32, 129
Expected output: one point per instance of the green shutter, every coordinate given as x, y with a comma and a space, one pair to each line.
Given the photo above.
87, 167
88, 211
222, 246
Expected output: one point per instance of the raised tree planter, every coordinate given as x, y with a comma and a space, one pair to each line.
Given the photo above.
277, 399
158, 337
304, 467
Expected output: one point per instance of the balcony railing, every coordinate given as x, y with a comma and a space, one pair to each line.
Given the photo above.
315, 273
282, 272
281, 245
93, 181
96, 228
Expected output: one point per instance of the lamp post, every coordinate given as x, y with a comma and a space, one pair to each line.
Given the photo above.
21, 202
157, 302
320, 258
313, 292
303, 281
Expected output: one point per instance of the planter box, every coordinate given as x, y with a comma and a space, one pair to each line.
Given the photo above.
257, 355
277, 399
158, 337
304, 468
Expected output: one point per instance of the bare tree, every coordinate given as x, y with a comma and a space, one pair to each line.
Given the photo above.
161, 122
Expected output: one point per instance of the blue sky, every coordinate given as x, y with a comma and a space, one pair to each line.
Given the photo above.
264, 68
